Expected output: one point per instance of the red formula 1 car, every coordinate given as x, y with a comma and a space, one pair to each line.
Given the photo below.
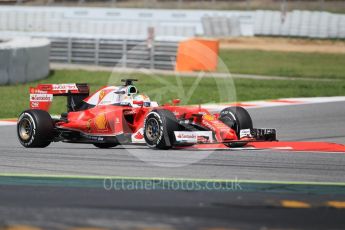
119, 115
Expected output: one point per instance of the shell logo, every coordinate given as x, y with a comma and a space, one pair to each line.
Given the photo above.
208, 117
101, 122
101, 95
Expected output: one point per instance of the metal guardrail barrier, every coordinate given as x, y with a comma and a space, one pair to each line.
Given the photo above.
111, 52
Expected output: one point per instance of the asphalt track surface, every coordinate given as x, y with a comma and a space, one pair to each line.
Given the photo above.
315, 122
58, 207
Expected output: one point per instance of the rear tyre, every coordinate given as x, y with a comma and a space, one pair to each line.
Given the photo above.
236, 118
105, 145
35, 129
159, 127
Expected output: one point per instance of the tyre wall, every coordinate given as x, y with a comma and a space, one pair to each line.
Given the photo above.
23, 60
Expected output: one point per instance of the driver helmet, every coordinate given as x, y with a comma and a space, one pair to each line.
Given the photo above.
145, 99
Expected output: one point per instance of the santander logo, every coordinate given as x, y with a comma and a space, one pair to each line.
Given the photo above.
188, 136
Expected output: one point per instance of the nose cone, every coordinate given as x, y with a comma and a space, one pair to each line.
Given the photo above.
228, 135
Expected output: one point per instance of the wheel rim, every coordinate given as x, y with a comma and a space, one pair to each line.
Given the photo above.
25, 129
152, 129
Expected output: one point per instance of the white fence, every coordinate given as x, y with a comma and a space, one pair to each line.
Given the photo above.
171, 25
23, 60
300, 24
115, 23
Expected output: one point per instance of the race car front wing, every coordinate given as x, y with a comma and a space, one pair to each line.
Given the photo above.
206, 137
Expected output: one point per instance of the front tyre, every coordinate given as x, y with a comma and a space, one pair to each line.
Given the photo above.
35, 129
236, 118
159, 127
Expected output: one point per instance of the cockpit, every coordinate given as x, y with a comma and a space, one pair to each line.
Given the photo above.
126, 95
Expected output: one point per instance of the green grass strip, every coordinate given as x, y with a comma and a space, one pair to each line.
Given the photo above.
14, 99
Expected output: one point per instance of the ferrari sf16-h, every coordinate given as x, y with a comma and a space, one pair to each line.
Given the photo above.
120, 115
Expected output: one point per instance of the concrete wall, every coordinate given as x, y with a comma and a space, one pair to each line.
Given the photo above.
23, 60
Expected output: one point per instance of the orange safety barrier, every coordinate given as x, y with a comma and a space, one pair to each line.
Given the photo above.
197, 55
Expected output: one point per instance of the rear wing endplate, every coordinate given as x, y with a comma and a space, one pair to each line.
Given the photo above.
42, 95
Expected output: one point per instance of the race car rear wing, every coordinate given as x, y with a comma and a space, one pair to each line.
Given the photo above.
41, 96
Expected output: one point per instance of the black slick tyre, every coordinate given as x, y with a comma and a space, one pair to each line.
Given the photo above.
236, 118
35, 129
159, 127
